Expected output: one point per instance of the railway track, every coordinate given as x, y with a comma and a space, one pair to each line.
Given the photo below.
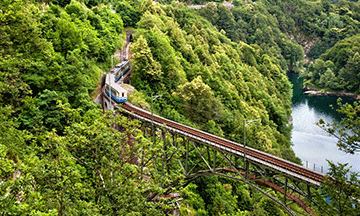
254, 155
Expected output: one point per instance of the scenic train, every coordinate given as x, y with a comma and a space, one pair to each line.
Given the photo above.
121, 69
114, 90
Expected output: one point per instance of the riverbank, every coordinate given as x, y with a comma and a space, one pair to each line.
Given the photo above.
318, 92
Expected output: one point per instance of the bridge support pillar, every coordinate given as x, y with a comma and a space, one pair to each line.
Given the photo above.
164, 157
308, 192
214, 162
187, 156
285, 189
208, 153
246, 170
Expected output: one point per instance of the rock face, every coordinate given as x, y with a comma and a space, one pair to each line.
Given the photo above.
317, 92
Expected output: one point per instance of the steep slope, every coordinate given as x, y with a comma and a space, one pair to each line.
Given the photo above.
338, 68
210, 82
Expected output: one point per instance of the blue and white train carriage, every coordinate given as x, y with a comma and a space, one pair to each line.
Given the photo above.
113, 90
121, 69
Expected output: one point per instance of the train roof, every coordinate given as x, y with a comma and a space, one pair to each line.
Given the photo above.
118, 67
110, 81
114, 70
121, 64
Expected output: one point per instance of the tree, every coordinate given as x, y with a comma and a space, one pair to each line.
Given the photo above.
267, 207
193, 204
226, 22
328, 79
347, 131
218, 196
199, 99
130, 14
146, 71
210, 13
339, 192
12, 88
76, 9
351, 73
293, 53
89, 169
344, 57
315, 70
53, 117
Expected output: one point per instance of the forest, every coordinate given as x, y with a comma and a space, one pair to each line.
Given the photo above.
214, 67
318, 38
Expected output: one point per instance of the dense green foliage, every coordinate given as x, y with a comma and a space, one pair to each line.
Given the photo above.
59, 155
338, 68
210, 82
280, 27
53, 54
129, 11
339, 192
255, 23
66, 159
316, 25
84, 171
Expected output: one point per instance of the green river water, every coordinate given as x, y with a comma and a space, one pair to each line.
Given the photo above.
310, 143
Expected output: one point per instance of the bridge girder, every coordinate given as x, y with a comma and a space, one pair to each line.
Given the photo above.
259, 177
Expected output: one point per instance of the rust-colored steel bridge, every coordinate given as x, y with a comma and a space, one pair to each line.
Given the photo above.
294, 182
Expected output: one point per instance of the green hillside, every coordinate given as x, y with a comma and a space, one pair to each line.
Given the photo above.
338, 68
209, 81
292, 30
214, 67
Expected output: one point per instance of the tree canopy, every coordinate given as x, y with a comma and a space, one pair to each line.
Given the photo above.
338, 68
214, 67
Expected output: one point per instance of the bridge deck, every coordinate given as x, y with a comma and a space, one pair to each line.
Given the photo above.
256, 156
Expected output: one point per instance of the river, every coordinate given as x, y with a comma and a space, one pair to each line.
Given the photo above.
310, 143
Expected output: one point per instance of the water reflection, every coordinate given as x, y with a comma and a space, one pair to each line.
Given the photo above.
310, 142
320, 104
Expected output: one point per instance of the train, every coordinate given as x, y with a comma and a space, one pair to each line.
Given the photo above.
114, 90
121, 69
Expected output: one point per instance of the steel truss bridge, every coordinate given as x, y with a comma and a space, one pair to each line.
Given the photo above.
295, 183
